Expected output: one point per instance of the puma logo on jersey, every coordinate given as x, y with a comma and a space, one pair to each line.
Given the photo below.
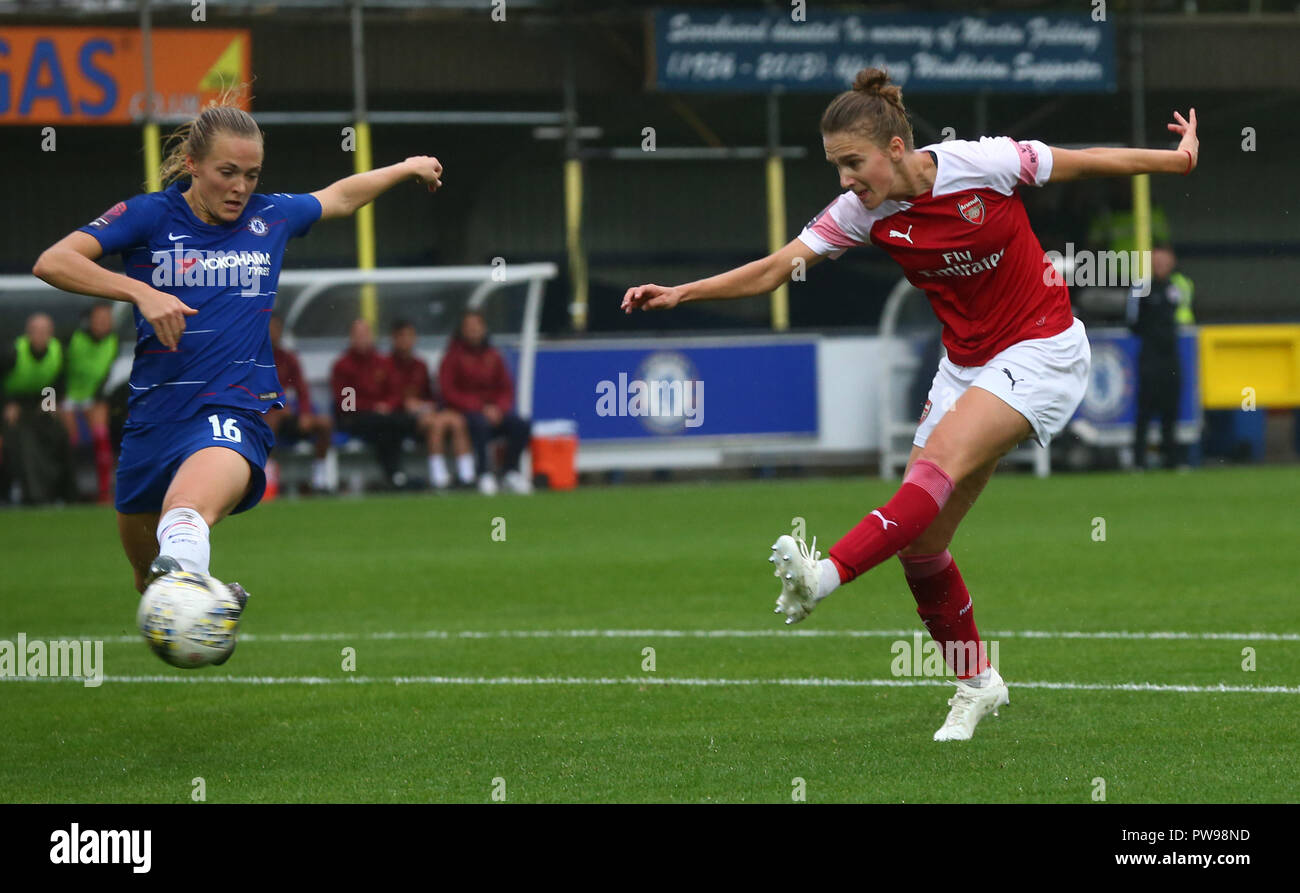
1013, 380
884, 522
893, 233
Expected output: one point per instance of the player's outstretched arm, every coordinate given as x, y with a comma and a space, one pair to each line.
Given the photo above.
1077, 164
754, 278
342, 197
71, 264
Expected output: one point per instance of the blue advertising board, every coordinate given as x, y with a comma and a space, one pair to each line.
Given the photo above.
682, 391
758, 51
1110, 403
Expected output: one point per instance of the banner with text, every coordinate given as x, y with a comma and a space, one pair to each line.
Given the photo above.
755, 51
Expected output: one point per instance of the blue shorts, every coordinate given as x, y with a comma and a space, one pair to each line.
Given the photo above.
152, 454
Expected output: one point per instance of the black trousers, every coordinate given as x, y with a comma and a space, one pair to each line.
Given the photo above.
514, 429
1159, 384
38, 457
384, 432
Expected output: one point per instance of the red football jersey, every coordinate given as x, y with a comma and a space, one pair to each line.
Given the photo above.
410, 379
967, 244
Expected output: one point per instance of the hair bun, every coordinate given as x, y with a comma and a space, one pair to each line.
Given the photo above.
870, 80
875, 82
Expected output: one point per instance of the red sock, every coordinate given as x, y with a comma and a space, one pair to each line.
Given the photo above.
272, 471
946, 610
103, 461
895, 524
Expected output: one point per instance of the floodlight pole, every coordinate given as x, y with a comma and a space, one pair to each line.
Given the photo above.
1141, 182
152, 154
780, 301
361, 162
574, 248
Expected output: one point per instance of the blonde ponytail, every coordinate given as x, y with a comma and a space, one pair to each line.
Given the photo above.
195, 138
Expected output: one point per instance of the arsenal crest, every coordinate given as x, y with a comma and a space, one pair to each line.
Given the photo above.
972, 209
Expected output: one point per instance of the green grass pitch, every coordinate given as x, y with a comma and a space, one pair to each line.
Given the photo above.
680, 569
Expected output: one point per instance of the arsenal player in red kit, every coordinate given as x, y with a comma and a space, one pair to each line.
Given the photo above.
1017, 359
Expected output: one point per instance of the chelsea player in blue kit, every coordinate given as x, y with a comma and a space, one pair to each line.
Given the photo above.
202, 259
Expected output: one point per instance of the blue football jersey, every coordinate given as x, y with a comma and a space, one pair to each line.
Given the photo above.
228, 272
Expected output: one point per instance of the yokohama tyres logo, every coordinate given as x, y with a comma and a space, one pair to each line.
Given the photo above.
972, 209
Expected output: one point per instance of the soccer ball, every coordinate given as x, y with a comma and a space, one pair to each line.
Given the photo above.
188, 619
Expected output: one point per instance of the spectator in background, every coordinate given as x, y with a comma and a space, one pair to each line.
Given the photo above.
32, 436
1153, 317
92, 350
1114, 227
299, 419
416, 398
475, 381
1183, 315
363, 388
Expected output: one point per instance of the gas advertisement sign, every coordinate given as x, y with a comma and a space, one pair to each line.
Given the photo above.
96, 75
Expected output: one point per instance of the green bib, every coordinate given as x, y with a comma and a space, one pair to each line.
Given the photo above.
1183, 314
29, 374
89, 362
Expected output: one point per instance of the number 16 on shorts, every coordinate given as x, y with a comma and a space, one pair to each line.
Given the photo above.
227, 431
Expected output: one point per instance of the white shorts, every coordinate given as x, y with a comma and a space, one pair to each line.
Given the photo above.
1043, 379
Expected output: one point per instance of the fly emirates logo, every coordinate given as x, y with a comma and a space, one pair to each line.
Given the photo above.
961, 263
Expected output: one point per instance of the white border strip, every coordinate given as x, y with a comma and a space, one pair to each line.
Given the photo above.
687, 682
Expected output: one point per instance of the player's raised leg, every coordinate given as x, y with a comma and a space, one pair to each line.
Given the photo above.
979, 428
208, 486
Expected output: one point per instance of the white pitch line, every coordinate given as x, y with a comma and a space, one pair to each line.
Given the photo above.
664, 681
778, 632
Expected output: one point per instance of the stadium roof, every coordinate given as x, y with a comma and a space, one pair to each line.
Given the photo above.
588, 7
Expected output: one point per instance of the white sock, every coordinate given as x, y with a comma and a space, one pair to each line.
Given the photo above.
465, 468
438, 473
319, 475
183, 535
830, 578
332, 470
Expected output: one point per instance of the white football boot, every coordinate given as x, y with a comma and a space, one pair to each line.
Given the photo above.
970, 705
516, 482
796, 566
